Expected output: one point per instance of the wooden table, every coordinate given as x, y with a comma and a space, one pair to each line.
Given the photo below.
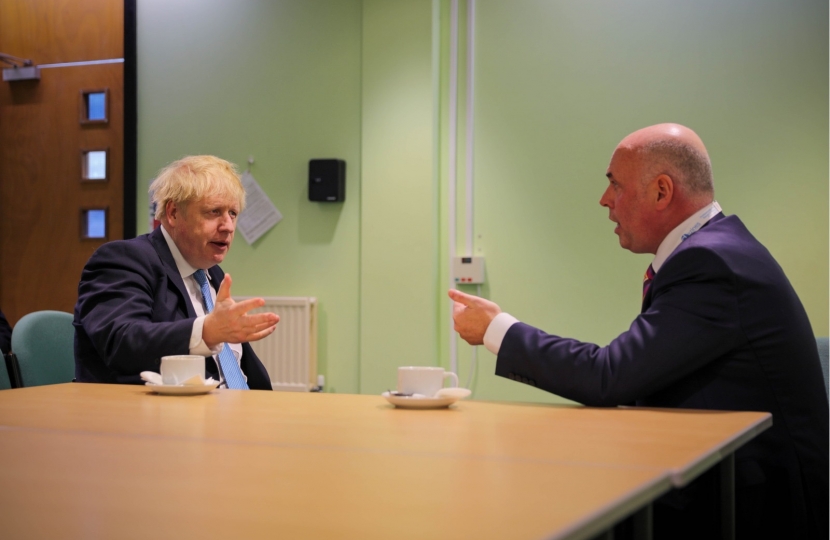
108, 461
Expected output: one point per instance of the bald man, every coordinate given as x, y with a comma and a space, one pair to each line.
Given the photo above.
720, 328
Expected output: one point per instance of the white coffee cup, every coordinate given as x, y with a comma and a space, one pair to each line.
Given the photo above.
177, 369
424, 380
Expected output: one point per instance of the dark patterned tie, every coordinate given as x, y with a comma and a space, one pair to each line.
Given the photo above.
230, 368
647, 279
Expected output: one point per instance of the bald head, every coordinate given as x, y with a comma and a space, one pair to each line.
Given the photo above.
677, 151
665, 132
658, 177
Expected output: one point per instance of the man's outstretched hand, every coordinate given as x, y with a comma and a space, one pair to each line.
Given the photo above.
472, 316
229, 321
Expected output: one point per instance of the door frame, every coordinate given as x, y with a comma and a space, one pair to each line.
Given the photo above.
130, 117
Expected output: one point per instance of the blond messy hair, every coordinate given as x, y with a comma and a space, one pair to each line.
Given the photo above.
194, 178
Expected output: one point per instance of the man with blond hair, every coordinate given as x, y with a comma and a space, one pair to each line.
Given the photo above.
720, 328
163, 293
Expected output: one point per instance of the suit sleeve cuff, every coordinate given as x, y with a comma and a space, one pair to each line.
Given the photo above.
496, 331
197, 344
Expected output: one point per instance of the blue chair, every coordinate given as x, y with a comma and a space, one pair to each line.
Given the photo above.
43, 343
823, 344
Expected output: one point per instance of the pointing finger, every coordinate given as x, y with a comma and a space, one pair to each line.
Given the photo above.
462, 298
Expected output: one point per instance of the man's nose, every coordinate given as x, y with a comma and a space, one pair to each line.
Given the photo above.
606, 200
227, 223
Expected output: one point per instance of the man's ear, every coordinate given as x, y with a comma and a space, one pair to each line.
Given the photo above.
173, 212
665, 191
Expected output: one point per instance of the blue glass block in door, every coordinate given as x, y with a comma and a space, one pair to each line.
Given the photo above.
96, 106
96, 223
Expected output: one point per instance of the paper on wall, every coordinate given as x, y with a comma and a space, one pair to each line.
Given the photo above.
259, 215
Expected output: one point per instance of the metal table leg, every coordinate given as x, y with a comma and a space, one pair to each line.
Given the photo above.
727, 497
643, 520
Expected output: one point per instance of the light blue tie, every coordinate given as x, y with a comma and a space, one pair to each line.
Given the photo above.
227, 361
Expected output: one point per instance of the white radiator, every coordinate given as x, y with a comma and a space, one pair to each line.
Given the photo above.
290, 352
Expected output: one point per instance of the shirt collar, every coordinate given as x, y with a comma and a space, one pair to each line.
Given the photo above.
181, 264
690, 226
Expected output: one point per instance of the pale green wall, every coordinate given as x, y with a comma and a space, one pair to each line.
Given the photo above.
558, 84
399, 219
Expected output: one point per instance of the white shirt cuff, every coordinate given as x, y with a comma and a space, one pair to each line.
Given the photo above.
197, 344
496, 331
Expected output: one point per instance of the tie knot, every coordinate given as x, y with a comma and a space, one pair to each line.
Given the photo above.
647, 280
201, 277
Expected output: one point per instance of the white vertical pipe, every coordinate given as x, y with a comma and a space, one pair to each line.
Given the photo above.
471, 18
453, 127
437, 142
471, 34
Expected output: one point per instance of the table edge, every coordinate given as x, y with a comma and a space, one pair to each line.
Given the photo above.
683, 476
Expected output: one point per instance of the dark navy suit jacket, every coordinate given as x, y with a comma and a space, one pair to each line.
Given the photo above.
133, 308
721, 328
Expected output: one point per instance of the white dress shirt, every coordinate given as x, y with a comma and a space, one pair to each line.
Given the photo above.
197, 344
503, 321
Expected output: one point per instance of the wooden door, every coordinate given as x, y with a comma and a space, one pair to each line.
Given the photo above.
42, 141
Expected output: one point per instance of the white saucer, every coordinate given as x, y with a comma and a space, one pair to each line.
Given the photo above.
184, 390
409, 402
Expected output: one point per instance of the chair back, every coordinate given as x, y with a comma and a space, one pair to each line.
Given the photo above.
43, 343
823, 344
5, 381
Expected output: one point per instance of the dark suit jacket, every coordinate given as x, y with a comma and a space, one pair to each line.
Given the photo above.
721, 328
133, 308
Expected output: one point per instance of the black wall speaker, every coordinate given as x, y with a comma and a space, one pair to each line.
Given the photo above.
327, 180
